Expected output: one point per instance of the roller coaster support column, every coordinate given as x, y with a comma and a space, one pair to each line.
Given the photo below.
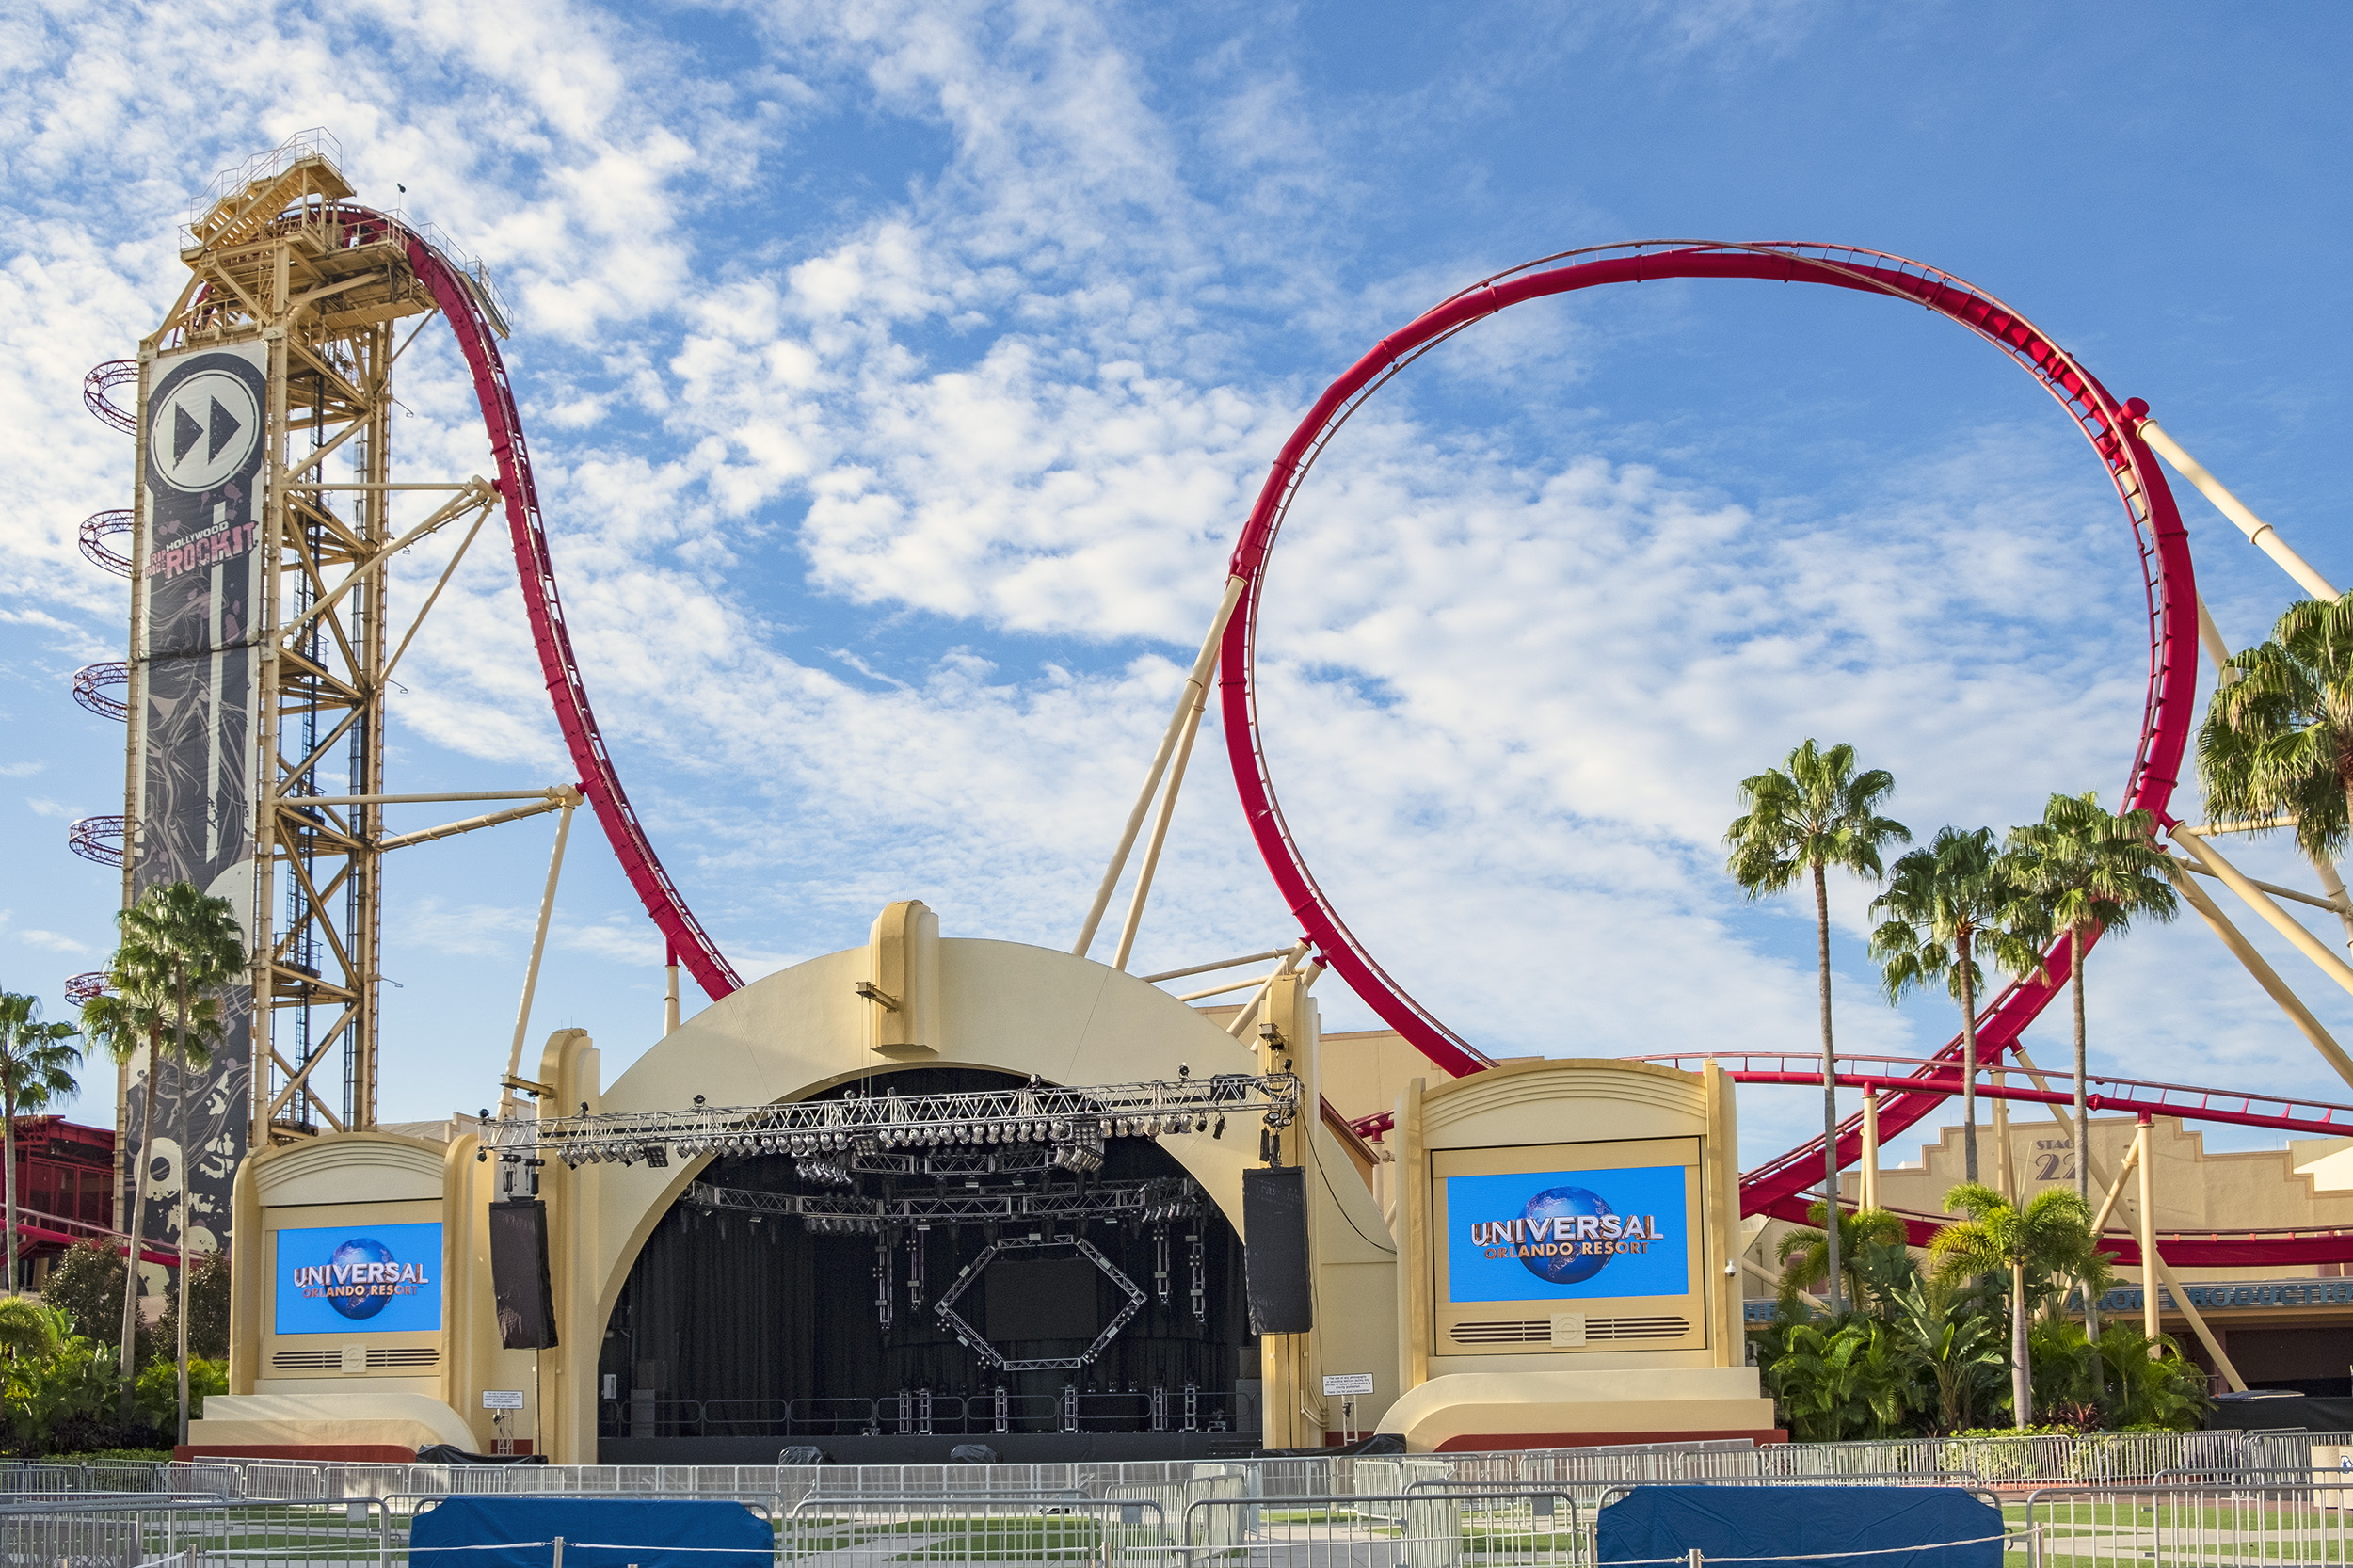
508, 1084
2260, 533
2148, 1238
1189, 703
1870, 1148
2263, 903
669, 998
2266, 976
2154, 1269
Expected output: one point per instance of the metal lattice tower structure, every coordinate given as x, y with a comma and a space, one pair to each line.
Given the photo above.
278, 261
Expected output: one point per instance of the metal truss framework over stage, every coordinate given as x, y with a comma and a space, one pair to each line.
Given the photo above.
1071, 1123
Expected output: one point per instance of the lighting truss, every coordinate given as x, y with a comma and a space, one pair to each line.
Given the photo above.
1071, 1123
990, 1355
1153, 1202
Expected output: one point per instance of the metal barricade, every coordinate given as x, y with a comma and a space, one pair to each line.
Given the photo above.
2185, 1527
870, 1529
93, 1530
1493, 1526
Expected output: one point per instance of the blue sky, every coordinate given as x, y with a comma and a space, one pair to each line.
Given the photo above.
899, 375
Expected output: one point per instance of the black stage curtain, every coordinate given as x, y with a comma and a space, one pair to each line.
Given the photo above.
723, 1307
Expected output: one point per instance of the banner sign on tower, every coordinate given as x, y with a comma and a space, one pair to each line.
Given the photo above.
192, 804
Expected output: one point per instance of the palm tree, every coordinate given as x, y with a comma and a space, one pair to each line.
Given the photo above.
29, 1331
191, 943
2087, 872
2277, 742
1814, 813
1806, 1255
125, 1019
1946, 905
35, 1064
2050, 1234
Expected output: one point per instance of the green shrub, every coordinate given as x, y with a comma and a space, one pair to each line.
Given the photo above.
157, 1396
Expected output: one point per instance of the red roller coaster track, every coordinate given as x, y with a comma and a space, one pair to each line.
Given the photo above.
2105, 421
1777, 1185
462, 306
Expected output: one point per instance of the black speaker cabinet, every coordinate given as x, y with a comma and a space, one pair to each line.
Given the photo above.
518, 1275
1275, 1250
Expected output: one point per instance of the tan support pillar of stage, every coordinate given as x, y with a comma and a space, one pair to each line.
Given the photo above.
1870, 1146
2148, 1236
1286, 1040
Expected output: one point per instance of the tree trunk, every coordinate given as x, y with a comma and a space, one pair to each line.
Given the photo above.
9, 1136
2083, 1110
132, 1226
2021, 1373
188, 1173
1830, 1095
1968, 1062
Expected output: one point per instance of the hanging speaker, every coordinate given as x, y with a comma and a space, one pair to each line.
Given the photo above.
1275, 1250
518, 1275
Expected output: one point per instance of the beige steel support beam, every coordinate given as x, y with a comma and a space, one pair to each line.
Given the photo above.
434, 598
2217, 830
2148, 1239
297, 1082
2335, 906
507, 1106
552, 792
2115, 1187
1870, 1148
1210, 968
475, 492
2266, 976
2334, 884
1249, 1015
1220, 990
1770, 1278
1196, 686
669, 999
2210, 639
2286, 924
380, 488
1160, 834
2164, 1272
2005, 1157
2263, 537
448, 830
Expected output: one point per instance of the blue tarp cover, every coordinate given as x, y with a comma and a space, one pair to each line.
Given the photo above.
1653, 1522
598, 1532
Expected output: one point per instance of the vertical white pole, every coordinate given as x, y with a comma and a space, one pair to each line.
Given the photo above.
669, 998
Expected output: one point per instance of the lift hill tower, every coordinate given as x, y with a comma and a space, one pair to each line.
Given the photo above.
268, 505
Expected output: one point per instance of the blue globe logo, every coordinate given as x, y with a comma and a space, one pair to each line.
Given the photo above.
361, 1301
1567, 1265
